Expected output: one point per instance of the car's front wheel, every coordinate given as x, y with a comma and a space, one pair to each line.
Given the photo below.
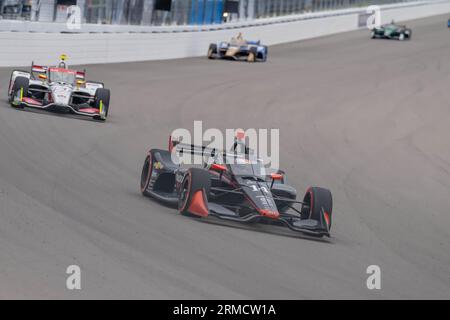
408, 34
252, 55
265, 54
19, 91
318, 203
101, 101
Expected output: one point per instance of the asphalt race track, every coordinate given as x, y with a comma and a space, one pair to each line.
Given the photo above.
370, 119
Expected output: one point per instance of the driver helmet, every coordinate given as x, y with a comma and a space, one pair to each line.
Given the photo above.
240, 146
62, 63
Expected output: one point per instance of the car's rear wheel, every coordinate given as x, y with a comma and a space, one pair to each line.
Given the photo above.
146, 174
101, 101
193, 193
19, 89
212, 51
318, 201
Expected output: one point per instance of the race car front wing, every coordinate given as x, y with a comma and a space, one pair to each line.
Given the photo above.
21, 101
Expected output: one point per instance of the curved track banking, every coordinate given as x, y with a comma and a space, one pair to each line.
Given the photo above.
368, 118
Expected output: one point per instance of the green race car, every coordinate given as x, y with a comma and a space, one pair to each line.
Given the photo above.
391, 31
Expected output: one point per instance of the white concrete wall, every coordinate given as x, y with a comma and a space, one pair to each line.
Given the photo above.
20, 48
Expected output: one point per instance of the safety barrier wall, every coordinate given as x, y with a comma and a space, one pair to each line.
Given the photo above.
112, 44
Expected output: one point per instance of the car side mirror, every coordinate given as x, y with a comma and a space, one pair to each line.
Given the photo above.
218, 167
276, 177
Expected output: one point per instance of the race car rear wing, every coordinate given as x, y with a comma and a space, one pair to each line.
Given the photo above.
80, 75
179, 147
38, 69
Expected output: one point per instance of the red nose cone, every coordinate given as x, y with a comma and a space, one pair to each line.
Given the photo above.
269, 214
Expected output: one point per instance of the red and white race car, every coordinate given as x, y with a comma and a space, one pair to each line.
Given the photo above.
59, 89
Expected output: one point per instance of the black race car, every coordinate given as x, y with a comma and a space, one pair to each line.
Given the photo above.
391, 31
233, 186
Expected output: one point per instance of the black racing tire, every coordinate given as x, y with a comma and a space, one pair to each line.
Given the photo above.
212, 51
315, 199
146, 174
103, 96
266, 55
409, 34
194, 180
19, 84
252, 54
10, 86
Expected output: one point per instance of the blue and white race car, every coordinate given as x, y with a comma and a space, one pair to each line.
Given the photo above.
238, 49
